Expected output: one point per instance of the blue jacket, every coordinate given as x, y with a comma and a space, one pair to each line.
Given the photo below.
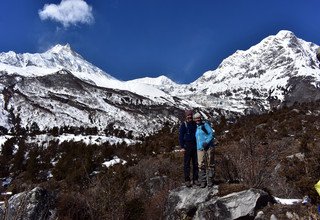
187, 134
203, 137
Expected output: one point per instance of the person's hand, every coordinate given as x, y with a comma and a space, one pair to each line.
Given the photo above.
205, 145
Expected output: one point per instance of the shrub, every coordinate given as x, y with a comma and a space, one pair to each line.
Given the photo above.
134, 209
74, 205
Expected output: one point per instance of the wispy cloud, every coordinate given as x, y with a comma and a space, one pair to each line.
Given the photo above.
68, 12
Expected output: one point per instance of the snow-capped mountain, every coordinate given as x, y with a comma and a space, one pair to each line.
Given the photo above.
57, 58
62, 57
281, 68
59, 87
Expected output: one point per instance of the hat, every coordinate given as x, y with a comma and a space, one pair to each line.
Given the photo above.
188, 113
196, 115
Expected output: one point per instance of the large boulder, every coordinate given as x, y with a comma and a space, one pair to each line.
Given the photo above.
35, 204
183, 202
197, 203
233, 206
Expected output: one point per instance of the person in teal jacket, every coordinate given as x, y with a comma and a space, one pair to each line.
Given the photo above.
205, 150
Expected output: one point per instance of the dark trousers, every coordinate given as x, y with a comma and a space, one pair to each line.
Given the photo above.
190, 155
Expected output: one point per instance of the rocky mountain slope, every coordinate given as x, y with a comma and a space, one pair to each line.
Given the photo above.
61, 99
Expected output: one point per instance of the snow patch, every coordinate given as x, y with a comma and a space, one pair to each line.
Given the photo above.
113, 162
287, 201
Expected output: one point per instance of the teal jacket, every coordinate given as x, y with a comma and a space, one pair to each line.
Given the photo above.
204, 134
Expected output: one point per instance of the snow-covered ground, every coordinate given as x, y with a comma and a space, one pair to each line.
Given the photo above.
87, 139
44, 139
288, 201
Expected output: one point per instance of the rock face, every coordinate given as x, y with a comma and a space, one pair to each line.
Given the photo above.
32, 205
197, 203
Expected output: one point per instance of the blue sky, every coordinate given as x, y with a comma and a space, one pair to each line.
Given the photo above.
130, 39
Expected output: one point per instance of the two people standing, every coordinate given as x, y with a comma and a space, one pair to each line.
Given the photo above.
196, 137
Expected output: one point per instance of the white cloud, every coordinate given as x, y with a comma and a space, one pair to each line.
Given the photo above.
68, 12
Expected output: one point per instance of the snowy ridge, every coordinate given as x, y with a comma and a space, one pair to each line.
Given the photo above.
162, 83
156, 81
62, 57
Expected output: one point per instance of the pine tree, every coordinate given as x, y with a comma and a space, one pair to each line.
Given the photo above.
32, 170
19, 162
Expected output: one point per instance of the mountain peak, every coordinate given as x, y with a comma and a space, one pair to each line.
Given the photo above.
56, 58
285, 34
59, 48
164, 80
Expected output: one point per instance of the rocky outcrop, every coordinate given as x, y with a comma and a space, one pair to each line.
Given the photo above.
32, 205
198, 203
183, 202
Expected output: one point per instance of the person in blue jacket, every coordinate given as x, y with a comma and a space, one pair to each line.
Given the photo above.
187, 141
205, 150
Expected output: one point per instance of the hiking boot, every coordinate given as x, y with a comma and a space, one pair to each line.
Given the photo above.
210, 177
203, 185
196, 182
188, 184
